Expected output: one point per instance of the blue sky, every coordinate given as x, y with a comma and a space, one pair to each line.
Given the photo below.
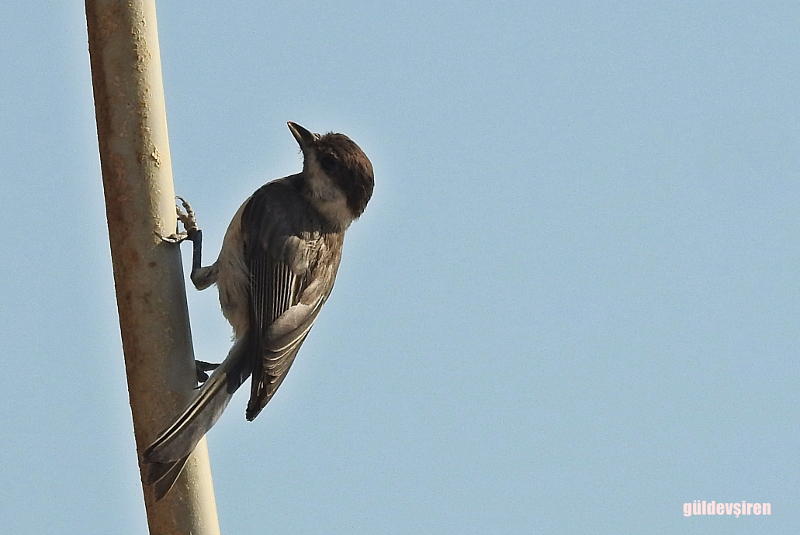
571, 306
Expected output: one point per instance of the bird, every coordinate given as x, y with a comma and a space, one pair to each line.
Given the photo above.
275, 270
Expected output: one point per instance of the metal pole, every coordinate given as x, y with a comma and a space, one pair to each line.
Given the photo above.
137, 180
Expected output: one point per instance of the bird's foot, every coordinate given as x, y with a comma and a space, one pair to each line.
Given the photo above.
201, 368
188, 220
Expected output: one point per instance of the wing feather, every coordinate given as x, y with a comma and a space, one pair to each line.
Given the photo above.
290, 258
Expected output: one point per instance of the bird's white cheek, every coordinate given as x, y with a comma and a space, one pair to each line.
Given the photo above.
320, 184
327, 197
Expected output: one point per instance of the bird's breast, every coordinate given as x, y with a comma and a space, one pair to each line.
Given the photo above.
233, 281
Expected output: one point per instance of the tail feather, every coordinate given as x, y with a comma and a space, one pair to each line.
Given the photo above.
163, 476
167, 455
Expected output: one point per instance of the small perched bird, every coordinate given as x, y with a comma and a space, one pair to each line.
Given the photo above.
276, 269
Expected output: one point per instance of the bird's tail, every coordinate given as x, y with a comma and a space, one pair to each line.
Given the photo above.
168, 454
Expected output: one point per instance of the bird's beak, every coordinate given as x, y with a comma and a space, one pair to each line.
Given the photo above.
303, 136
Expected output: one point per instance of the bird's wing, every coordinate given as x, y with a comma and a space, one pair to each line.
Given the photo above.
288, 284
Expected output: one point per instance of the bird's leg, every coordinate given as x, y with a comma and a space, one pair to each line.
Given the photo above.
201, 277
194, 234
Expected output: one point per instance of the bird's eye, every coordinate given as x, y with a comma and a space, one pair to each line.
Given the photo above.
328, 163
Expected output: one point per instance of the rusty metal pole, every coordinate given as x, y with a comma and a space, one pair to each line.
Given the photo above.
140, 202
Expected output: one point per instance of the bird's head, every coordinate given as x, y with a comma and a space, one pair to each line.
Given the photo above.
338, 175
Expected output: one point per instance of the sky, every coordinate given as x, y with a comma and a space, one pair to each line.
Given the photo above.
571, 306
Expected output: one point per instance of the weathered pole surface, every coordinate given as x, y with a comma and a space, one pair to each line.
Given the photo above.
140, 205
